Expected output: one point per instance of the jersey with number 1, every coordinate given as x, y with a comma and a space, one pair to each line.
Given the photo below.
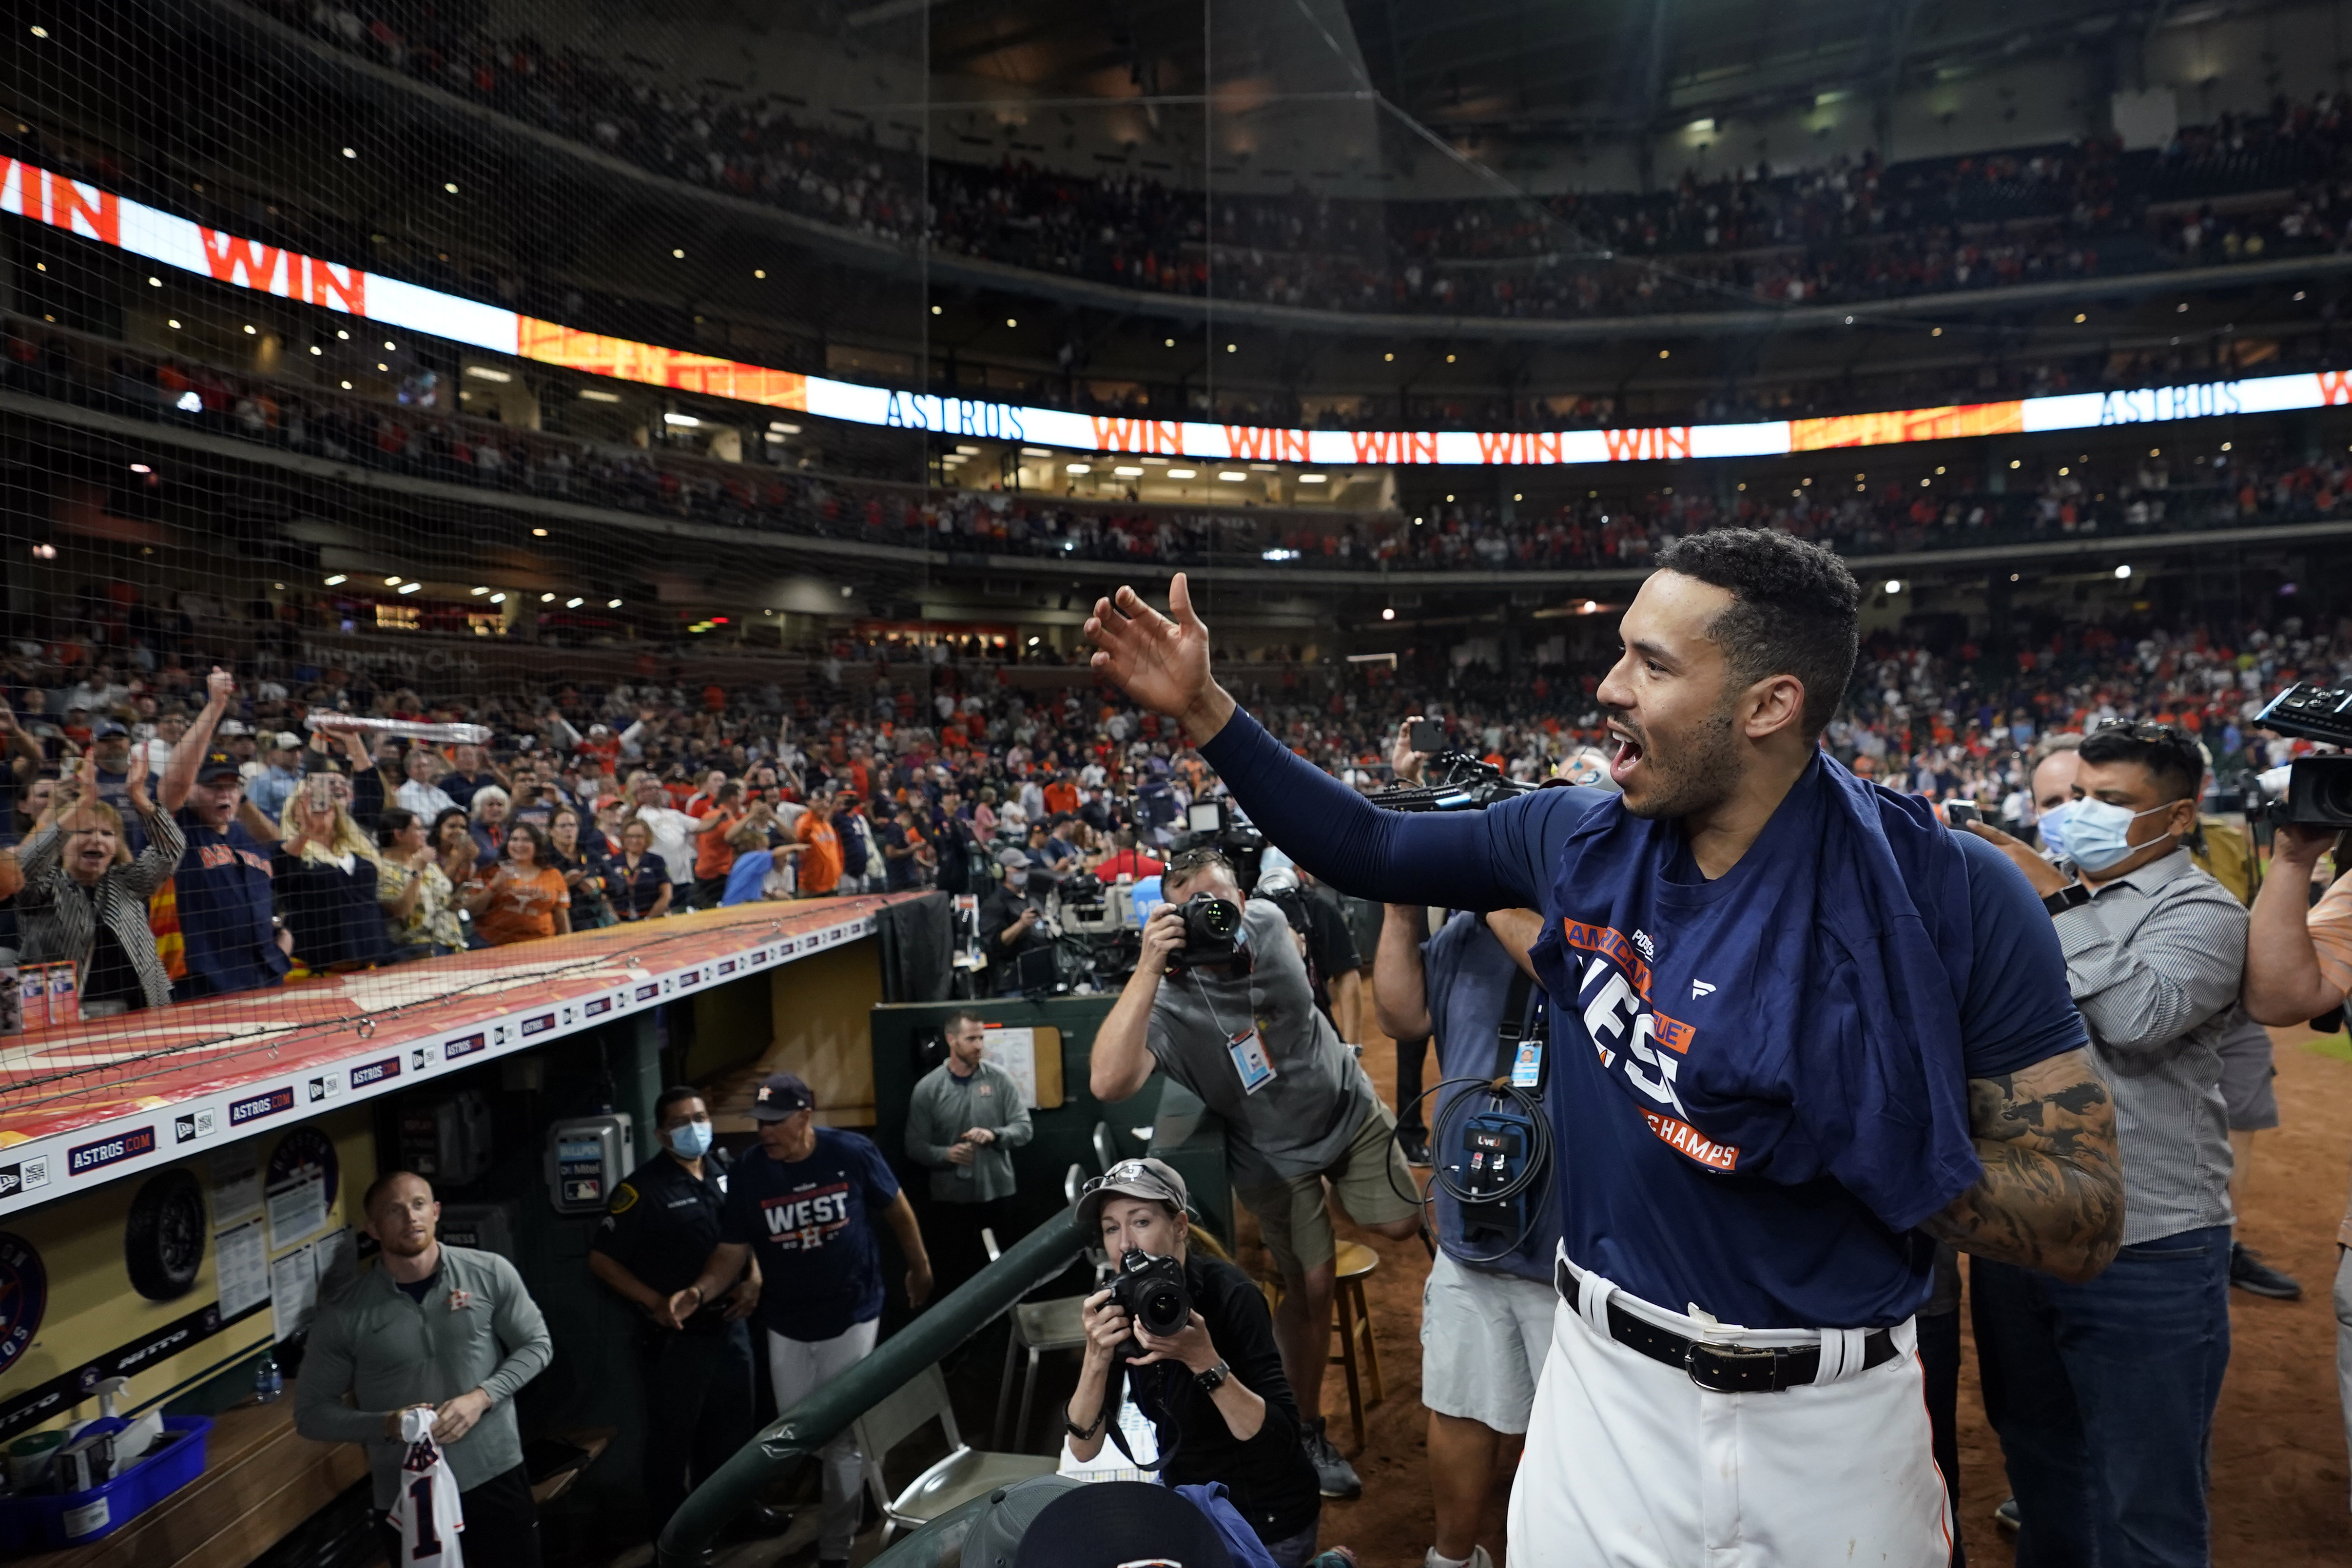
426, 1513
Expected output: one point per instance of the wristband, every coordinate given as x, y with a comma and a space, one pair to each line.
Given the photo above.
2073, 895
1087, 1434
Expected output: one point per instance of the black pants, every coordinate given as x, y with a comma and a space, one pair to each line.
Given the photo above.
502, 1524
951, 1235
1939, 1358
698, 1412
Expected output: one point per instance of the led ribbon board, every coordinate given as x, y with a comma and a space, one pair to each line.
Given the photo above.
110, 219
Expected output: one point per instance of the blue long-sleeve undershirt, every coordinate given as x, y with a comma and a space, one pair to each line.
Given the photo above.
1500, 858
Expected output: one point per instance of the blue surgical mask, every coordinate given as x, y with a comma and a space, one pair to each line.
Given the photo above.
691, 1141
2052, 824
2098, 832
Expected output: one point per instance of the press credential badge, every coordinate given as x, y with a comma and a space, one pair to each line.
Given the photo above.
1250, 1061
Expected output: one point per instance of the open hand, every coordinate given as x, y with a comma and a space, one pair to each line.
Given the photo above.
1160, 661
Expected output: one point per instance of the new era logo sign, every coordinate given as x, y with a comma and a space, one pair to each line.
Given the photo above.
188, 1128
1701, 988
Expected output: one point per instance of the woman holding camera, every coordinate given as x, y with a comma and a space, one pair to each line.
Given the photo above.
1214, 1388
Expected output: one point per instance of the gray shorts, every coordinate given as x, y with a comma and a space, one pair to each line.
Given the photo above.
2246, 1074
1483, 1338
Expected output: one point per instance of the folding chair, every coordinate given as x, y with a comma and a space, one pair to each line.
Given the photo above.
1037, 1327
966, 1472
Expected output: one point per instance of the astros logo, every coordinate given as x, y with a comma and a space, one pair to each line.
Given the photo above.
24, 1296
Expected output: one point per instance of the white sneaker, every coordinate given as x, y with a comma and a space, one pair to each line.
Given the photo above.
1478, 1558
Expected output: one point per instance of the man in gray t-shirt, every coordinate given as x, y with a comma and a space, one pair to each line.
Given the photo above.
1302, 1122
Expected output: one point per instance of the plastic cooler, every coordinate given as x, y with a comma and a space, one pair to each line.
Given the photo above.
48, 1522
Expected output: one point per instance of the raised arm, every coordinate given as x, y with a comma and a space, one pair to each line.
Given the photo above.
1467, 860
1400, 995
2052, 1195
180, 774
2283, 983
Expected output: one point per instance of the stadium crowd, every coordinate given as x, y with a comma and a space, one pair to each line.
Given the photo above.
595, 805
422, 439
1848, 230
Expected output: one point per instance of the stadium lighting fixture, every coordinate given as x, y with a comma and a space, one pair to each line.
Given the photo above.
316, 350
677, 255
1669, 353
1184, 473
1591, 606
611, 604
759, 272
1078, 468
45, 552
498, 599
1232, 475
347, 386
1233, 348
781, 428
547, 598
342, 334
1388, 614
450, 186
2181, 309
173, 324
40, 31
539, 533
390, 346
1280, 555
936, 311
683, 421
140, 468
478, 591
597, 395
1388, 358
2122, 573
1013, 321
1169, 343
410, 587
393, 581
2225, 446
485, 373
350, 151
1894, 585
1315, 478
1125, 472
2015, 463
963, 451
1935, 332
573, 603
251, 330
382, 366
2298, 296
154, 283
337, 580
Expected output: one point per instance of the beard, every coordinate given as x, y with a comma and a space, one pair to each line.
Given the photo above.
1689, 774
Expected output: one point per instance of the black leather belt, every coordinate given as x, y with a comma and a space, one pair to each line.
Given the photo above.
1722, 1368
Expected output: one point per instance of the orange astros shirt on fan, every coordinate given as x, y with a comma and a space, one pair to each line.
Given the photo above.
820, 867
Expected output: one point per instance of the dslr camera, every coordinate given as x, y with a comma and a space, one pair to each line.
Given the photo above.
1212, 933
1151, 1290
2318, 790
1456, 782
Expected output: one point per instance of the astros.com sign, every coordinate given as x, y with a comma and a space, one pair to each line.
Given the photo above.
101, 215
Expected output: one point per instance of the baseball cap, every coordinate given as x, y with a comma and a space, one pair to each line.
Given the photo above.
230, 727
781, 1094
1147, 1178
106, 727
995, 1537
217, 764
1111, 1523
286, 740
1012, 859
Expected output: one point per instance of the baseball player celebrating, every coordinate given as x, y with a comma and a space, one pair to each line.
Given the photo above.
1798, 1023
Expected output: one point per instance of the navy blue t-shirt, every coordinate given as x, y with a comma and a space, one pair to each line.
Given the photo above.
1779, 1236
811, 1225
223, 888
1468, 976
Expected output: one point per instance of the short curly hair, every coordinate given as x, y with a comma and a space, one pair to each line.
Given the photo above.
1794, 609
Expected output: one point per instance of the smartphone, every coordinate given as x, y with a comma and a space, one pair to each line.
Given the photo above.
1428, 735
1958, 811
321, 793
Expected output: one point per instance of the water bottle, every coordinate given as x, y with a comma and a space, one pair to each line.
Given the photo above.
268, 1383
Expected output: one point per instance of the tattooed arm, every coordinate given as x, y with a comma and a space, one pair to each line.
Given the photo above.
2051, 1195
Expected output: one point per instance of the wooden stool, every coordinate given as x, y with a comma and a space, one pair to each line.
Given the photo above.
1353, 1322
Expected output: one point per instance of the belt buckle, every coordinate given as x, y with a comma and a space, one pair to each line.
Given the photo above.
1718, 1368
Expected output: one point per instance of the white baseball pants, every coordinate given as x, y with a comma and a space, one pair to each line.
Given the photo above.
1632, 1465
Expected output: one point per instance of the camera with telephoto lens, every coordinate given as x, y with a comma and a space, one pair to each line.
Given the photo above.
2315, 792
1151, 1290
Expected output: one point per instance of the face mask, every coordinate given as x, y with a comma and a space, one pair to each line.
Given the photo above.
2051, 825
691, 1141
2097, 832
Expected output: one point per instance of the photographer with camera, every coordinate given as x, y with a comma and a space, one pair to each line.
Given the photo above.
1013, 921
1220, 999
1187, 1336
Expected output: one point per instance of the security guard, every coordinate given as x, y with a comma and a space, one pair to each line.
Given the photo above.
662, 1226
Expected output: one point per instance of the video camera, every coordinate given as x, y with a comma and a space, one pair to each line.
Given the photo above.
1455, 781
2315, 792
1219, 825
